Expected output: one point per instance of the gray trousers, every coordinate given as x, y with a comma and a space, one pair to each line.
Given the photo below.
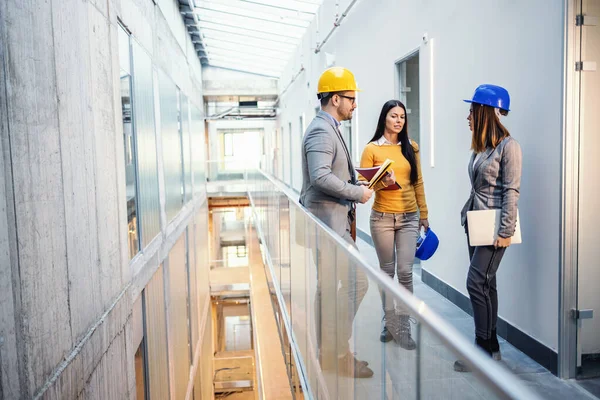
481, 285
341, 287
395, 239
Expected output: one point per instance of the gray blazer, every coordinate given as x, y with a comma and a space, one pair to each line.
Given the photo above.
495, 184
328, 176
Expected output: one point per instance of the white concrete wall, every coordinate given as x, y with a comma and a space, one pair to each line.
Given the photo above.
9, 361
177, 29
513, 44
63, 224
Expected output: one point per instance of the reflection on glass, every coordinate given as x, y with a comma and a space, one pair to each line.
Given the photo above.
185, 147
130, 165
238, 335
140, 373
334, 312
181, 146
347, 134
228, 237
129, 144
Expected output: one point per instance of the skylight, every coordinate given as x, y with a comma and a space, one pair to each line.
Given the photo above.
256, 36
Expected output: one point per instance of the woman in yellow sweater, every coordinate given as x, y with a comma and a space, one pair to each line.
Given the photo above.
397, 214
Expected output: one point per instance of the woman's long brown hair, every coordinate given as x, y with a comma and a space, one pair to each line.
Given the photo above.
488, 131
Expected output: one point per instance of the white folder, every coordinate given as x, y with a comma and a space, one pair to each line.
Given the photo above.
484, 225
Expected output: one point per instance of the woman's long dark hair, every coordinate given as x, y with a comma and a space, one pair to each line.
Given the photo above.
407, 150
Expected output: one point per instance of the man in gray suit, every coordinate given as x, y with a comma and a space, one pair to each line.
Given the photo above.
329, 191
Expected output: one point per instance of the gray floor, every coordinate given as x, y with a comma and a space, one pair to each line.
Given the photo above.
591, 385
394, 367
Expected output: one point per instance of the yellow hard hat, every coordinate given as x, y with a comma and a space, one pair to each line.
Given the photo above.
337, 79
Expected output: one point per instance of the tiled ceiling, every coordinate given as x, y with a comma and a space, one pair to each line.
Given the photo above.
256, 36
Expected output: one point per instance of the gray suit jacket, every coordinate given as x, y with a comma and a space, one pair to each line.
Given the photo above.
328, 174
495, 184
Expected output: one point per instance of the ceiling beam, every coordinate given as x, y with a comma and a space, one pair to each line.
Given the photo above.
245, 35
260, 9
279, 7
203, 22
285, 50
247, 50
241, 15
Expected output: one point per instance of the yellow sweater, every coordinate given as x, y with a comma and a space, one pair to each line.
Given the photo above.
408, 197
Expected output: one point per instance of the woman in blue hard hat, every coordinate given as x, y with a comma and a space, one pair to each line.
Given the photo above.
495, 174
398, 212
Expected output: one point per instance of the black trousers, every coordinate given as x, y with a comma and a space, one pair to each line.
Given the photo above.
481, 285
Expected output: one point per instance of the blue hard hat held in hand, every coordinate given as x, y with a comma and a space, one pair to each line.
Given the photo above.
427, 245
491, 95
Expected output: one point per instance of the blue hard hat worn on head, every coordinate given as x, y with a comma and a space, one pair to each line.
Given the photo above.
491, 95
427, 245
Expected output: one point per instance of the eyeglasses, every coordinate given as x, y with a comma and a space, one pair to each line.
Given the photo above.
352, 99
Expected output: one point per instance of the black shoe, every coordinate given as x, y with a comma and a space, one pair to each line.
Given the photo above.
460, 366
483, 344
495, 347
386, 335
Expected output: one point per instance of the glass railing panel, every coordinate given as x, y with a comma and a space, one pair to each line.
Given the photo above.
309, 355
437, 378
351, 284
334, 317
226, 170
398, 378
229, 176
274, 233
299, 283
329, 336
389, 362
284, 249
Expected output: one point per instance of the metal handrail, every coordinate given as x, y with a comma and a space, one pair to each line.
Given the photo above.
502, 383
